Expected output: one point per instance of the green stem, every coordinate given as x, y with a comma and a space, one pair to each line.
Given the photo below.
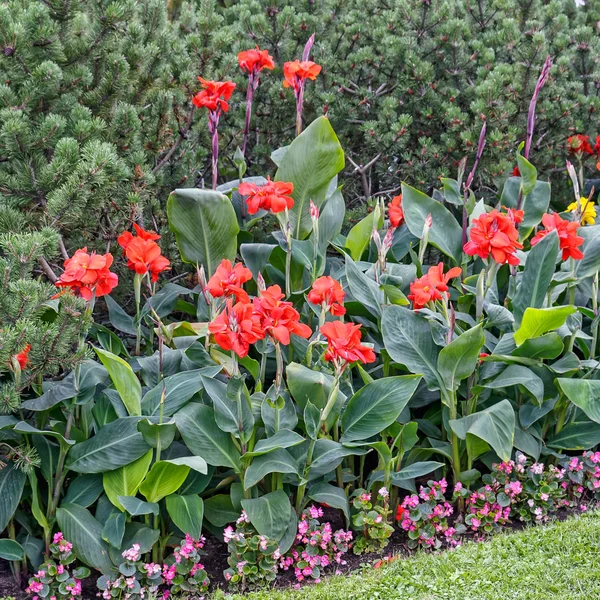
279, 373
137, 288
16, 565
60, 472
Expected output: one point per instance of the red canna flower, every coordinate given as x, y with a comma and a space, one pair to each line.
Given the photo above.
126, 237
298, 71
273, 196
255, 60
144, 256
432, 286
567, 235
516, 172
579, 144
344, 344
228, 280
236, 327
215, 95
494, 233
87, 274
399, 513
516, 216
279, 318
395, 211
328, 292
22, 358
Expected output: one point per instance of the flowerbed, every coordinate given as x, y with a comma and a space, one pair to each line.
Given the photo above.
433, 372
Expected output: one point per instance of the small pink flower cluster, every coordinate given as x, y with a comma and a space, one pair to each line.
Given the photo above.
485, 513
54, 580
316, 547
371, 521
425, 517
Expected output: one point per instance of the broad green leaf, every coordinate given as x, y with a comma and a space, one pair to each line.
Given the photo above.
494, 425
418, 469
584, 393
359, 237
590, 263
311, 161
312, 419
284, 438
115, 445
451, 191
195, 463
134, 506
537, 321
328, 455
256, 256
27, 429
114, 529
205, 226
576, 436
519, 375
12, 482
270, 514
278, 461
187, 513
219, 510
364, 289
527, 443
157, 434
164, 479
124, 380
200, 432
546, 346
118, 318
535, 204
85, 533
537, 275
376, 406
11, 550
333, 496
408, 340
331, 219
84, 490
308, 385
126, 480
445, 233
458, 360
528, 173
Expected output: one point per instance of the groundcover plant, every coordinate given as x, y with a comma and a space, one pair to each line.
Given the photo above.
433, 370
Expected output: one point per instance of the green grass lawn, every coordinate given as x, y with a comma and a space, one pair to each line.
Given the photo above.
560, 560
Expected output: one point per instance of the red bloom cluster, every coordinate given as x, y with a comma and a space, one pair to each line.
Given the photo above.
395, 211
278, 318
432, 286
143, 253
567, 235
495, 233
254, 61
344, 344
228, 281
580, 144
88, 274
23, 357
214, 95
236, 327
273, 196
298, 71
328, 292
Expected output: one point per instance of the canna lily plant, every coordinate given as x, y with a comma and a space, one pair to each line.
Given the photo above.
438, 336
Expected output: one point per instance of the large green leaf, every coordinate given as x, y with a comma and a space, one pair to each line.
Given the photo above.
494, 425
519, 375
270, 514
135, 506
576, 436
284, 438
308, 385
331, 219
417, 469
364, 289
537, 321
114, 529
376, 406
11, 550
85, 533
584, 393
115, 445
205, 226
549, 345
333, 496
84, 490
537, 275
200, 432
458, 360
359, 236
590, 263
528, 172
164, 478
187, 513
311, 161
277, 461
445, 233
328, 455
408, 340
12, 482
219, 510
124, 380
126, 480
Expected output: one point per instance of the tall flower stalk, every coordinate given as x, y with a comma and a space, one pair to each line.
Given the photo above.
214, 96
465, 216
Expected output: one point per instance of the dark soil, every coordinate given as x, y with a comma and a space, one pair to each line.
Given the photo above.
215, 560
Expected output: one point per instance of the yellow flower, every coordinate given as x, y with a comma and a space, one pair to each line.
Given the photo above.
587, 210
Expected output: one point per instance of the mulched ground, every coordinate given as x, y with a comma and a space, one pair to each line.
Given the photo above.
215, 560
